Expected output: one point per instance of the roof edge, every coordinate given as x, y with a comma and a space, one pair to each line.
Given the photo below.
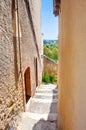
56, 7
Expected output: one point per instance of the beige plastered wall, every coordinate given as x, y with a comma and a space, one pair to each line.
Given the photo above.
72, 65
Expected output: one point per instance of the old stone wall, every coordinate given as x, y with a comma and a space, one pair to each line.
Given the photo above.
11, 96
49, 66
35, 7
29, 16
20, 41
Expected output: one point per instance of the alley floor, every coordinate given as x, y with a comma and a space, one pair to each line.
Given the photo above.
41, 110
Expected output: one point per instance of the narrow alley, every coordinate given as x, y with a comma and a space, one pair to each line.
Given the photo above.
33, 33
41, 110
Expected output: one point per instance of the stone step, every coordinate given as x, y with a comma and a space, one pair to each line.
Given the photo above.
44, 100
45, 96
36, 116
47, 88
46, 91
31, 121
42, 107
41, 110
47, 117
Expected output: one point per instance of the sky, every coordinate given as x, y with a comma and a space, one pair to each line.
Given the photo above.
49, 21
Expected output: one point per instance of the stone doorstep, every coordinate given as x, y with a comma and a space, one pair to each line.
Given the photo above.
35, 116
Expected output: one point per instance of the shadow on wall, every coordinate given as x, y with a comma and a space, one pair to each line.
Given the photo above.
51, 122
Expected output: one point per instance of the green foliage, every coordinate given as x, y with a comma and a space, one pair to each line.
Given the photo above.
49, 78
51, 51
46, 78
53, 78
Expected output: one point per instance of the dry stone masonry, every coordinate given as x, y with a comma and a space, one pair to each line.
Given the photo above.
20, 36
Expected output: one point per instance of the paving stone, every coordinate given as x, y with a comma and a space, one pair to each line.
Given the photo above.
28, 123
42, 107
41, 110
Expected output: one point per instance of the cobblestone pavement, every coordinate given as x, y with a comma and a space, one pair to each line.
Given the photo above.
41, 110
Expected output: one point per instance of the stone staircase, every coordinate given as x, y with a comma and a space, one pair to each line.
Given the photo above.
41, 110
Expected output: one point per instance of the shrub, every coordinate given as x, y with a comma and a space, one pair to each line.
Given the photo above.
52, 78
49, 78
46, 78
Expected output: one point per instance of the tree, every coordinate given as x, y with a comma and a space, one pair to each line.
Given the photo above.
51, 51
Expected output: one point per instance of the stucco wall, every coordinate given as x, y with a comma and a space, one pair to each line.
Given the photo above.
18, 51
72, 65
49, 66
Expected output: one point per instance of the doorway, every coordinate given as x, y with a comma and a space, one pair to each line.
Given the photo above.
27, 80
36, 70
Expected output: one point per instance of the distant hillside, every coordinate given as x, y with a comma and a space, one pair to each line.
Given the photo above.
50, 41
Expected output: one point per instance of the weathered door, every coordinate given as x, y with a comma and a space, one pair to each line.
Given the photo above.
27, 83
36, 65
